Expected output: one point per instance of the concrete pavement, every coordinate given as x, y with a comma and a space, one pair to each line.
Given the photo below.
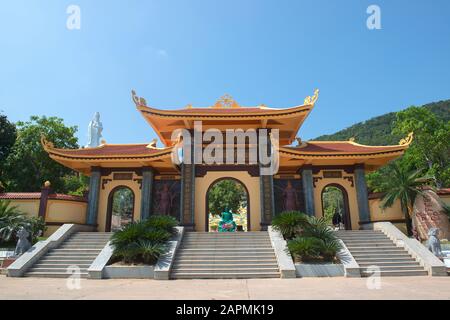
271, 289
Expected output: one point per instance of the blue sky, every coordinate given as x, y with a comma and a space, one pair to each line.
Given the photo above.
179, 52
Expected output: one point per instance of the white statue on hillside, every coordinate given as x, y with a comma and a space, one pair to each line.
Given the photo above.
94, 131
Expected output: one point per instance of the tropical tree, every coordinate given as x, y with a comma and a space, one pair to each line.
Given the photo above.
430, 148
11, 219
8, 135
28, 165
226, 194
404, 185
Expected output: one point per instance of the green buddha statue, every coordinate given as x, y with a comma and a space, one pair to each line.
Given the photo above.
227, 223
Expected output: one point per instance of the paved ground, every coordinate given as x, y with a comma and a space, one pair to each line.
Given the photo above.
272, 289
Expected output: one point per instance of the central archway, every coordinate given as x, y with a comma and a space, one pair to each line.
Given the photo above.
227, 193
120, 208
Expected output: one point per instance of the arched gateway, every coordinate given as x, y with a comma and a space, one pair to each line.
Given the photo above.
163, 185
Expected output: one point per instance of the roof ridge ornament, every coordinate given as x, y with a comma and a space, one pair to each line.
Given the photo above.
407, 140
300, 142
152, 144
138, 101
226, 101
312, 99
45, 143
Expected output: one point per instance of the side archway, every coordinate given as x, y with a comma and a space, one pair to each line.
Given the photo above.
121, 206
335, 205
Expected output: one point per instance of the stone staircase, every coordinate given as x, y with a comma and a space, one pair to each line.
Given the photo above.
374, 248
213, 255
79, 250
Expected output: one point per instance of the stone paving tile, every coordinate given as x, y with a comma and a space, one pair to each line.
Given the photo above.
272, 289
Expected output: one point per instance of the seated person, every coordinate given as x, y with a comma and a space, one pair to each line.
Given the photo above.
227, 223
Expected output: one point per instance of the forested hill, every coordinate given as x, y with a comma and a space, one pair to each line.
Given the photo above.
377, 131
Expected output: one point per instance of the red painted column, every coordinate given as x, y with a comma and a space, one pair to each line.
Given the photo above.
45, 192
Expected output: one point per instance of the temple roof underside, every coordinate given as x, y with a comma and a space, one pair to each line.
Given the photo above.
317, 153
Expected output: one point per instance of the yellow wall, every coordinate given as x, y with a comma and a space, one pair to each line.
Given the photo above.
392, 213
66, 211
104, 194
59, 211
351, 191
29, 207
201, 187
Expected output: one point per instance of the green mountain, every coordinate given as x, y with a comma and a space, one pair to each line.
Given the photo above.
377, 131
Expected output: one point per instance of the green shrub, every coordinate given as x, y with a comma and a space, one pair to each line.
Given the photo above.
309, 238
311, 249
150, 251
318, 228
304, 249
166, 223
142, 241
328, 249
290, 223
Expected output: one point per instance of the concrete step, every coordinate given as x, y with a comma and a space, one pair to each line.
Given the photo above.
39, 274
369, 243
60, 266
234, 241
229, 249
215, 257
227, 261
402, 273
69, 256
76, 246
226, 269
54, 270
224, 255
396, 268
217, 275
79, 250
389, 263
225, 247
218, 265
376, 250
65, 261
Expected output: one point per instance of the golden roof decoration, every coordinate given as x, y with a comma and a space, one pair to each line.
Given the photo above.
352, 139
407, 140
226, 101
138, 101
46, 143
312, 99
152, 145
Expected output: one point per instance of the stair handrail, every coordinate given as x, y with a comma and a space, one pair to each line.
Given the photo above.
432, 264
